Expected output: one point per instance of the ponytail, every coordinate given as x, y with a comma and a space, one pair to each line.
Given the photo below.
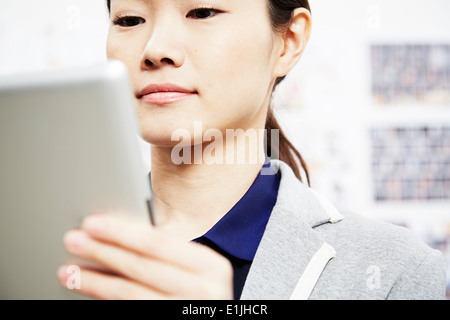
287, 152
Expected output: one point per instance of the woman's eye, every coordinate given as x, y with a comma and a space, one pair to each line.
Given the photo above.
202, 13
128, 21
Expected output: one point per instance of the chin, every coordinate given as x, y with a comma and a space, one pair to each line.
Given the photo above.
160, 140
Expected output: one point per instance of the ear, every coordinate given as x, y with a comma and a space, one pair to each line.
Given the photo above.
294, 41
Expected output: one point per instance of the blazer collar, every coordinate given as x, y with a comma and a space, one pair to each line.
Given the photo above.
291, 254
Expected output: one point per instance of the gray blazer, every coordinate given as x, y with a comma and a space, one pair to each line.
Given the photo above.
310, 251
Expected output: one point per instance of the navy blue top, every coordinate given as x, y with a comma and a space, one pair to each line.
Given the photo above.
238, 234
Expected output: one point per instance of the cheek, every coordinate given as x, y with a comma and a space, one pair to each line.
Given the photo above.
113, 46
239, 70
126, 49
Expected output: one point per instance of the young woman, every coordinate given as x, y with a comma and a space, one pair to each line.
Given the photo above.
230, 228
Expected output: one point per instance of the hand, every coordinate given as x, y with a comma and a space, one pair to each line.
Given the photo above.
142, 262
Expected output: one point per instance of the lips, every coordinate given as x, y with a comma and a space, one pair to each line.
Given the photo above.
167, 93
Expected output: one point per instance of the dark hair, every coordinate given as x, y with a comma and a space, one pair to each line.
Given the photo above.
280, 12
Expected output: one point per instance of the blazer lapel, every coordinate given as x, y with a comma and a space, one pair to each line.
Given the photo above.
291, 255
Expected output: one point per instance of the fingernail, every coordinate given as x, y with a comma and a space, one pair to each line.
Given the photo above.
75, 240
94, 225
62, 273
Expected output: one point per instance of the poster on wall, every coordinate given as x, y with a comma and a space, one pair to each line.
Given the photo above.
411, 163
411, 74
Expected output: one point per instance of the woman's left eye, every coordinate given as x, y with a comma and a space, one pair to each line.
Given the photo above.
202, 13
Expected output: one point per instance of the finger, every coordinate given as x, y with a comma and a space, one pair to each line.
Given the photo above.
99, 285
149, 241
164, 276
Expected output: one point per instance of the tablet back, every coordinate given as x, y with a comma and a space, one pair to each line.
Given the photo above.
68, 147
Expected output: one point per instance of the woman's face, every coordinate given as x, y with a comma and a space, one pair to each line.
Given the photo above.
195, 60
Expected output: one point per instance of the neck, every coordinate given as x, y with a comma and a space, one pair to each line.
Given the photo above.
191, 197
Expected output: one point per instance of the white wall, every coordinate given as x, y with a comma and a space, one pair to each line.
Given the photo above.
36, 35
326, 102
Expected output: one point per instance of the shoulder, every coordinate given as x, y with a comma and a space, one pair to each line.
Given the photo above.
374, 236
386, 259
374, 259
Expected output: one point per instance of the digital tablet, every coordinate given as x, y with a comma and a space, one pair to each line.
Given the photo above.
68, 147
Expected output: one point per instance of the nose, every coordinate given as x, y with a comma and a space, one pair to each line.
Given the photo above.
163, 48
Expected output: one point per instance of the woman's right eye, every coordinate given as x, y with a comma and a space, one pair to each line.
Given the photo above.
128, 21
